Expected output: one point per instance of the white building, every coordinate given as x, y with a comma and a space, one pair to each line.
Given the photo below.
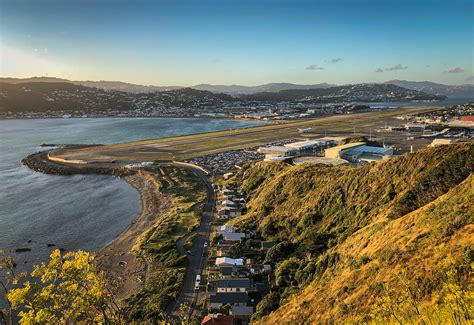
227, 261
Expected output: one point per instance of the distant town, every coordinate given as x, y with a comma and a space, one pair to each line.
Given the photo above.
64, 100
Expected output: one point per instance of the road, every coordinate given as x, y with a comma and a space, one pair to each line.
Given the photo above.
197, 260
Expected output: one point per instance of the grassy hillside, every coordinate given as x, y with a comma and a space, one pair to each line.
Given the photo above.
381, 242
166, 265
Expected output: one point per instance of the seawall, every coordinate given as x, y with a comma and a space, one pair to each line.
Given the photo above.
40, 162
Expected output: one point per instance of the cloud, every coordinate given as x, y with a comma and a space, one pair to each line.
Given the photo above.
216, 60
455, 70
470, 79
396, 68
335, 60
313, 67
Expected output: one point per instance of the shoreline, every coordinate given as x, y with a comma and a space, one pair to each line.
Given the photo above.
117, 258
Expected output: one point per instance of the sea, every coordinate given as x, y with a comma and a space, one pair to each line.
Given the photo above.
80, 212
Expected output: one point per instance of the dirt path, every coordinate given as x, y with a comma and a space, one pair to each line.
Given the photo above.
117, 258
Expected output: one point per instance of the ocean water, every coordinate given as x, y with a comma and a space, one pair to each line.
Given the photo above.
448, 102
73, 212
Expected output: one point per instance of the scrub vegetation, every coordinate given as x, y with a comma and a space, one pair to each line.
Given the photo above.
166, 264
387, 242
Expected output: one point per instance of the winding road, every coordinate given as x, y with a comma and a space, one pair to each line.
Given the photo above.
199, 254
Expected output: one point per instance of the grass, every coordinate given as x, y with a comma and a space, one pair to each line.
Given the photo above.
189, 146
166, 266
346, 235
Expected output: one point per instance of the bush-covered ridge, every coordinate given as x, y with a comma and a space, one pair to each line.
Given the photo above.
378, 242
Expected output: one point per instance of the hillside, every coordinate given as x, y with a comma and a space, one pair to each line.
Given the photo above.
377, 242
67, 97
435, 88
347, 93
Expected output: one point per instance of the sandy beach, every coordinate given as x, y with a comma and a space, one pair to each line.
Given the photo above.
117, 259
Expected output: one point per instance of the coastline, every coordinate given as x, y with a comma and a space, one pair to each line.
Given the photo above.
118, 258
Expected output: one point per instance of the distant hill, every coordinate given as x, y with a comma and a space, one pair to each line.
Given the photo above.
390, 242
271, 87
64, 96
106, 85
67, 96
435, 88
238, 90
348, 93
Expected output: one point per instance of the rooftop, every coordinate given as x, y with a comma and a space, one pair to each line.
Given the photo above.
233, 283
233, 297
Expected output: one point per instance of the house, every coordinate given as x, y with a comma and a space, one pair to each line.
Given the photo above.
241, 314
234, 299
233, 285
229, 203
226, 270
229, 212
220, 319
260, 268
234, 237
227, 261
224, 229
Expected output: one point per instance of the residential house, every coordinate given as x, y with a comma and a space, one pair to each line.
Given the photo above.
234, 299
241, 314
217, 319
224, 229
233, 237
227, 261
233, 285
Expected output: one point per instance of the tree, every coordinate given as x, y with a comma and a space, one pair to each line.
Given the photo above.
68, 289
7, 278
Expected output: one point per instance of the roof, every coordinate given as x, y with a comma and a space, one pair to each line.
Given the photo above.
346, 146
304, 144
242, 310
226, 270
233, 297
234, 236
225, 228
218, 319
277, 148
228, 202
229, 261
233, 283
372, 150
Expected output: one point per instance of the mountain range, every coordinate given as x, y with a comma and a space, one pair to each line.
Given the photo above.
236, 90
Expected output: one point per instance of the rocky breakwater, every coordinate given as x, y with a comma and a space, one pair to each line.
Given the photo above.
41, 162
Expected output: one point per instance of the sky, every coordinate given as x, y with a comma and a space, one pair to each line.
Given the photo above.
245, 42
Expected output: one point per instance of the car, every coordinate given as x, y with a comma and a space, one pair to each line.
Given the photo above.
189, 252
205, 244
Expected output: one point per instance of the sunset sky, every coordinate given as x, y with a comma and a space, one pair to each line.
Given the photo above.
238, 42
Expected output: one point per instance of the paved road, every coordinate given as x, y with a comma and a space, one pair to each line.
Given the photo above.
199, 254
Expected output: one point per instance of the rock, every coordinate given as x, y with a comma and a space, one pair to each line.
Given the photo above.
22, 250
